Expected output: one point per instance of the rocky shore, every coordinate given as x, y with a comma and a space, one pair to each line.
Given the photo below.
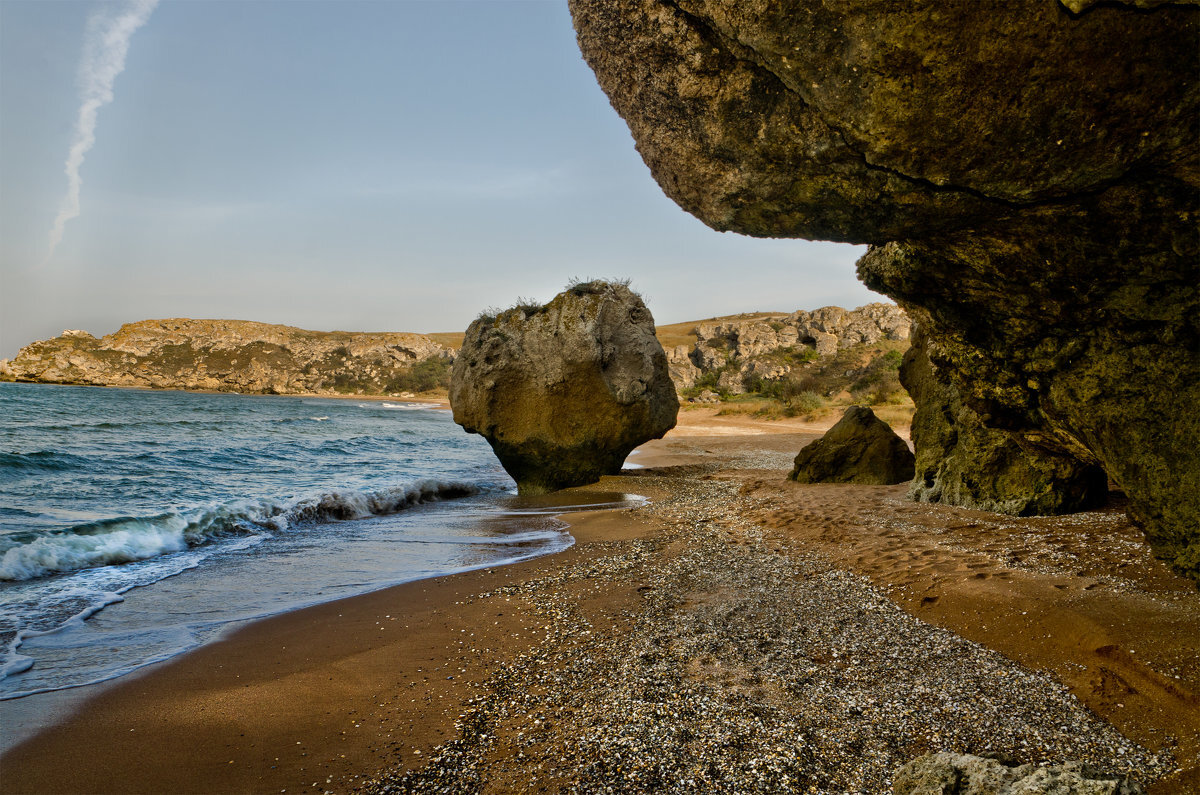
739, 633
737, 665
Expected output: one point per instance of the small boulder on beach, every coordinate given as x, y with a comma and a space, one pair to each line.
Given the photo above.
965, 774
564, 391
860, 448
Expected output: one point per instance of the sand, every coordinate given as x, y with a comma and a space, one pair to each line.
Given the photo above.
666, 628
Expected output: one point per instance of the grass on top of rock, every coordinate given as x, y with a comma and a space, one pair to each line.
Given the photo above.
867, 374
581, 287
528, 307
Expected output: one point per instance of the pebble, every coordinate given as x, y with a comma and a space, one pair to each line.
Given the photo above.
743, 670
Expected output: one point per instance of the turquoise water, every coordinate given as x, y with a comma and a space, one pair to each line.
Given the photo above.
135, 525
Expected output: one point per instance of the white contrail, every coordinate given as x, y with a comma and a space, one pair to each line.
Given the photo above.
105, 45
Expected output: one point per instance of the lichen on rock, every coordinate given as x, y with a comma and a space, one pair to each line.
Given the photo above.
860, 448
1027, 174
960, 461
948, 773
563, 392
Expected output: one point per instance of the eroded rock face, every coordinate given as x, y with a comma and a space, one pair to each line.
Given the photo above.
860, 448
960, 461
235, 356
1028, 175
565, 391
965, 774
773, 347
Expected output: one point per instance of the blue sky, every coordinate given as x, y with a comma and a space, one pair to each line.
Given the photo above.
328, 164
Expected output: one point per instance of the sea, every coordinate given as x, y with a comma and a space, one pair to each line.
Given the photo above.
136, 525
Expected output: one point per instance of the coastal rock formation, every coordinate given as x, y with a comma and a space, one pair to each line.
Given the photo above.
860, 448
237, 356
1028, 176
772, 347
964, 774
960, 461
563, 392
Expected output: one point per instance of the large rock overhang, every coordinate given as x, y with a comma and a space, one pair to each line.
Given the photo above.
1028, 176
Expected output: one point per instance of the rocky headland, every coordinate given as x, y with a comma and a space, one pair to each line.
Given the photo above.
238, 356
736, 355
1028, 177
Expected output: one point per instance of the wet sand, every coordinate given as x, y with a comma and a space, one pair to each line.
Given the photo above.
741, 631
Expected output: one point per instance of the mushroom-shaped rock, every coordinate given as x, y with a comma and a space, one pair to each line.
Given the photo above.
1027, 174
563, 392
860, 448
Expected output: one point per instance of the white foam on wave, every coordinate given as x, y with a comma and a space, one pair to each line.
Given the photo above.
96, 591
130, 539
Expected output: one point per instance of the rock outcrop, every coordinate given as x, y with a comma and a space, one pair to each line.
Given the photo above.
237, 356
563, 392
860, 448
772, 347
965, 774
1028, 176
960, 461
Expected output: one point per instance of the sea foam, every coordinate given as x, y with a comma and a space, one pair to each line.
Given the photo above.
127, 539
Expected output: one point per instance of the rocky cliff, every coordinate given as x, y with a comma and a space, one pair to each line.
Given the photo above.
237, 356
774, 347
1028, 175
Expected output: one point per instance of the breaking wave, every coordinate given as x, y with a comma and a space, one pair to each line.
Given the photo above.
127, 539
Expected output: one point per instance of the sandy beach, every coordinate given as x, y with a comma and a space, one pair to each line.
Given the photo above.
738, 633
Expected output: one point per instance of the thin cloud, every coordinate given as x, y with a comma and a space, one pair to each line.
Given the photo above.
105, 46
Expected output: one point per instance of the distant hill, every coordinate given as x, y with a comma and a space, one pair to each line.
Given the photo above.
237, 356
801, 359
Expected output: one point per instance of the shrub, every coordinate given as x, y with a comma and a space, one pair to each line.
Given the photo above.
424, 376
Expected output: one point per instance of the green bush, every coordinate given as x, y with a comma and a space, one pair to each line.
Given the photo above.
424, 376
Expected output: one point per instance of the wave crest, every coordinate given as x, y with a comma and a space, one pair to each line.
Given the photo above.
127, 539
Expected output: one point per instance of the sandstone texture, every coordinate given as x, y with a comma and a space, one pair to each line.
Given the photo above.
236, 356
563, 392
960, 461
860, 448
965, 774
772, 347
1028, 175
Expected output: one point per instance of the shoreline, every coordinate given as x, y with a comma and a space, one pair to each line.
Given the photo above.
434, 400
1113, 627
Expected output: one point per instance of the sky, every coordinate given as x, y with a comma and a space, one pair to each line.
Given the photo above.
334, 164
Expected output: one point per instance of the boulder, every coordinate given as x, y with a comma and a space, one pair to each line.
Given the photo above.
964, 774
563, 392
860, 448
679, 365
731, 383
960, 461
1027, 174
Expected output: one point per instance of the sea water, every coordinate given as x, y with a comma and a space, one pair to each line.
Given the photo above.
135, 525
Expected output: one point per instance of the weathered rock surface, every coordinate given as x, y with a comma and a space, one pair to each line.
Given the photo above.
772, 347
234, 356
565, 391
1028, 175
860, 448
960, 461
965, 774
